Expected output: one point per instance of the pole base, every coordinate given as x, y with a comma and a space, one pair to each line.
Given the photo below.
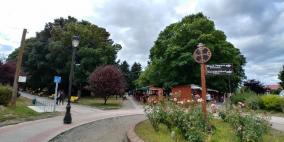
67, 118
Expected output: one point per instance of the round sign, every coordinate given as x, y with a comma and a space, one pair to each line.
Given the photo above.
202, 54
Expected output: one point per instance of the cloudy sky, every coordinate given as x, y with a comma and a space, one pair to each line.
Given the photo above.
254, 26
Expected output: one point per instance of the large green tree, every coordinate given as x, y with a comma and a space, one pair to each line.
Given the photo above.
281, 76
49, 53
171, 57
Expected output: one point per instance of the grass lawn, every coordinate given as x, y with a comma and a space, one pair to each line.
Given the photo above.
223, 133
146, 132
21, 113
112, 103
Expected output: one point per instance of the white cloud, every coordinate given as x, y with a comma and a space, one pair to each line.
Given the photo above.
253, 26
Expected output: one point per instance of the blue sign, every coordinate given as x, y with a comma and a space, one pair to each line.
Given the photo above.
57, 79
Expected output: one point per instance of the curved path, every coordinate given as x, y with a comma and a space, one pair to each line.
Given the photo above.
45, 129
107, 130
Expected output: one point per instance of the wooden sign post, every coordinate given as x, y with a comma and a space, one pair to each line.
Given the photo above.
202, 55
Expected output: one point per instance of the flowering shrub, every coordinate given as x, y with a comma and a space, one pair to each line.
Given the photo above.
189, 122
249, 127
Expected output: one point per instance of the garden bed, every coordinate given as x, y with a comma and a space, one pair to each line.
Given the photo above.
223, 133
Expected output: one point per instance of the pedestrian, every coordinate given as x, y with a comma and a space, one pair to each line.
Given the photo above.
62, 97
57, 97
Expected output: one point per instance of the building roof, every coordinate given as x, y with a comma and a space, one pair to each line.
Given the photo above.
273, 86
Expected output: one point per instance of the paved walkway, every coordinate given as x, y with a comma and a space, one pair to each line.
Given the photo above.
107, 130
45, 129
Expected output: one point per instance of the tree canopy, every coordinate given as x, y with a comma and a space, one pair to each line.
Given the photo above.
124, 67
49, 53
7, 72
135, 72
281, 76
107, 81
255, 86
171, 57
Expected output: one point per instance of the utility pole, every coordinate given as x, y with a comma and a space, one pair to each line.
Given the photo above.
18, 68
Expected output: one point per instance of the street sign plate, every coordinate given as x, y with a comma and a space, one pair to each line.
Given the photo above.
57, 79
219, 69
22, 79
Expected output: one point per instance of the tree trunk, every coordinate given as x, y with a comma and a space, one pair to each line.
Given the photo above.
105, 100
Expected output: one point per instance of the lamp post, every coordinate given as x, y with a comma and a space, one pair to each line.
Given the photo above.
67, 118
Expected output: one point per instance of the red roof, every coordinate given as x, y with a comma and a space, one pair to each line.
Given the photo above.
273, 86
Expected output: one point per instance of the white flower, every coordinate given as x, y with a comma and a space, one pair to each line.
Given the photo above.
200, 100
175, 99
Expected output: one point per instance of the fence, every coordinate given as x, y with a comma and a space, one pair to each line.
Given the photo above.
44, 105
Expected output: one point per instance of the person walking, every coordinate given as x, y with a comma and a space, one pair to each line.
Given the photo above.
61, 97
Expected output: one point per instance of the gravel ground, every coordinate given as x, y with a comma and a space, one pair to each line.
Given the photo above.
107, 130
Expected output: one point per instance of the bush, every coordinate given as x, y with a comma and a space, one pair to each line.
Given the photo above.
272, 102
249, 127
190, 123
241, 97
254, 102
5, 95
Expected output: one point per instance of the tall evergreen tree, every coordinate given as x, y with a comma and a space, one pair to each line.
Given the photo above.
136, 70
124, 67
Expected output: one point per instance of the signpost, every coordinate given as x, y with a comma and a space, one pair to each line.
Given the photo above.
202, 55
57, 80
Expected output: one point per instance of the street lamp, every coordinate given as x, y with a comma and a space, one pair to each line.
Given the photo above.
67, 118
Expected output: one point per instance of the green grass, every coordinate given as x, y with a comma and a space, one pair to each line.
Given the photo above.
112, 103
20, 113
146, 132
223, 133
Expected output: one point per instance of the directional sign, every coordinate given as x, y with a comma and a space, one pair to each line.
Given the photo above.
219, 69
57, 79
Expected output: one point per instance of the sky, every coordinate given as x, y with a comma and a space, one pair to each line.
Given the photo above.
254, 26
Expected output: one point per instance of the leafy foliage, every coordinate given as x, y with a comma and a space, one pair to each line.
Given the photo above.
49, 53
107, 81
249, 127
281, 76
241, 97
171, 60
255, 86
135, 72
124, 67
190, 123
5, 95
7, 72
273, 102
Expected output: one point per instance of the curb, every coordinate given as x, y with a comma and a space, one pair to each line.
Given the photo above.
132, 136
